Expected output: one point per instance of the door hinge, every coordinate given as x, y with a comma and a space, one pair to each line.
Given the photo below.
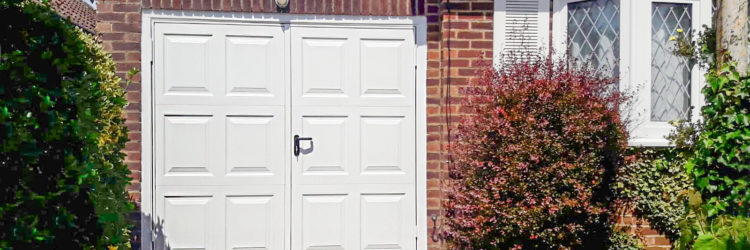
414, 30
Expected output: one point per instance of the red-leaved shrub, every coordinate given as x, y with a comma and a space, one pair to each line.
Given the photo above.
534, 159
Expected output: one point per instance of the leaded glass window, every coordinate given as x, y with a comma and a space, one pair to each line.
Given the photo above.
671, 74
594, 34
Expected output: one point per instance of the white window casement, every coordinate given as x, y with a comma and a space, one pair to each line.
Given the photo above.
631, 40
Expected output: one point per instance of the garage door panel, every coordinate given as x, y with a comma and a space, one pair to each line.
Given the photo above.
186, 70
220, 145
219, 64
381, 67
215, 217
386, 145
355, 145
386, 67
187, 222
382, 145
327, 153
323, 66
353, 66
322, 69
255, 217
253, 67
254, 145
325, 221
382, 220
188, 138
187, 62
251, 222
387, 216
187, 141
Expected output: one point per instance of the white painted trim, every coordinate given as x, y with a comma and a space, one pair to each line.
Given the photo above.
421, 133
147, 187
499, 27
150, 17
635, 63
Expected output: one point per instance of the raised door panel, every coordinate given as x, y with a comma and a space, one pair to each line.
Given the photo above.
326, 154
324, 221
385, 221
220, 145
254, 222
353, 66
186, 220
187, 63
187, 66
385, 145
254, 59
323, 60
188, 139
255, 145
187, 142
323, 67
324, 217
386, 67
219, 64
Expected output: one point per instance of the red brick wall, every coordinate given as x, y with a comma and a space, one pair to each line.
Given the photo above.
459, 42
328, 7
118, 26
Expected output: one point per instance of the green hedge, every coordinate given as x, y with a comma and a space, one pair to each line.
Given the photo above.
63, 180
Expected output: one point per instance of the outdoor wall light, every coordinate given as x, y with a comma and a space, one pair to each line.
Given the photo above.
282, 3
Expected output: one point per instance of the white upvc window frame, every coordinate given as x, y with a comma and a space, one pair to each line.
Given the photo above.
635, 63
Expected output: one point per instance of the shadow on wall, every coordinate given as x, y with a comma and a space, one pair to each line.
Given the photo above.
158, 232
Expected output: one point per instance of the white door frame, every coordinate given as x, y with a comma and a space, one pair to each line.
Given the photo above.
150, 17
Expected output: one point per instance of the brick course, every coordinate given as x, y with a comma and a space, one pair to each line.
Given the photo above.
459, 42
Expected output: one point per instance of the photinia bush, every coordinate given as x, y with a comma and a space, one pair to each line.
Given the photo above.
535, 158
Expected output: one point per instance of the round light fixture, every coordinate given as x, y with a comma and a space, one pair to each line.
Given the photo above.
282, 3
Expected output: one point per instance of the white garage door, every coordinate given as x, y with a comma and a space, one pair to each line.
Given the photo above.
229, 100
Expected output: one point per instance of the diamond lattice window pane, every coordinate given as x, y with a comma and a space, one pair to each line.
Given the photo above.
670, 73
594, 34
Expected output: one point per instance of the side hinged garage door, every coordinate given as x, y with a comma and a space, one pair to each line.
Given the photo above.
228, 101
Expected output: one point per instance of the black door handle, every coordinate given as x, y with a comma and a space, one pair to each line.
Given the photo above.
296, 143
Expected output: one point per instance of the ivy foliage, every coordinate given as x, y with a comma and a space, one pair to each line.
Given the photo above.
620, 240
700, 232
61, 134
654, 178
721, 166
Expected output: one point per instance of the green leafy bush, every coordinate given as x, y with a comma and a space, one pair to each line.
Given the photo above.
700, 232
716, 214
63, 180
721, 166
721, 163
654, 178
535, 159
